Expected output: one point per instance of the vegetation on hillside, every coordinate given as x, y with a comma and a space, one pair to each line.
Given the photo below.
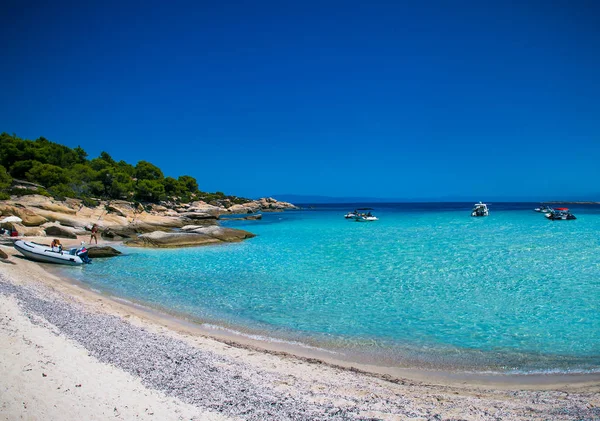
67, 172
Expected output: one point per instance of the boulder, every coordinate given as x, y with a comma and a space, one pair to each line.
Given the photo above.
251, 207
109, 234
103, 251
56, 230
191, 227
271, 204
160, 239
29, 231
227, 235
29, 216
128, 231
121, 208
200, 206
198, 237
55, 207
3, 255
198, 215
245, 218
159, 209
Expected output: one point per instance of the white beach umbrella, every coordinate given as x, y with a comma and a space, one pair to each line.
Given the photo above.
11, 219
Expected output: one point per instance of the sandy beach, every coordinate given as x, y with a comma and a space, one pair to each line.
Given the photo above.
69, 353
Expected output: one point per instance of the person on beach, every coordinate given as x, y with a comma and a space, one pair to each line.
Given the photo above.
56, 246
94, 234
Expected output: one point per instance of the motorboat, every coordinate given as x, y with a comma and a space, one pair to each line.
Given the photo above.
366, 218
560, 214
47, 254
356, 213
480, 209
543, 209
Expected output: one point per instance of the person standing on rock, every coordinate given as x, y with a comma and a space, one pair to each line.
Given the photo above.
94, 235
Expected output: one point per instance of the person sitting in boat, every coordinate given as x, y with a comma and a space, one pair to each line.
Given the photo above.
56, 246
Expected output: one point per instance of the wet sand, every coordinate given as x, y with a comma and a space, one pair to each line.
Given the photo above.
133, 361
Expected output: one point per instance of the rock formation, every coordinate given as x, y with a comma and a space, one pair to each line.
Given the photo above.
197, 237
103, 251
121, 220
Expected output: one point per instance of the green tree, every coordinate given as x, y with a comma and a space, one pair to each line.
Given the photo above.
20, 168
146, 171
47, 174
60, 191
5, 178
96, 188
190, 183
105, 156
150, 190
126, 168
11, 150
174, 187
81, 154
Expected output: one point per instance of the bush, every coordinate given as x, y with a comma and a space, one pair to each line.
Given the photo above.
61, 191
5, 178
89, 202
28, 192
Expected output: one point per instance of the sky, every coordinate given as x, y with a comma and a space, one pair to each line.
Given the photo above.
432, 100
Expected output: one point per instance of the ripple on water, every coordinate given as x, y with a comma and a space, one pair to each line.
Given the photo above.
512, 292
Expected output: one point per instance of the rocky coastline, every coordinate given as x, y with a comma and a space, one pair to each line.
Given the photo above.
151, 225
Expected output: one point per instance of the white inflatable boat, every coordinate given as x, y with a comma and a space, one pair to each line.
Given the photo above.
42, 253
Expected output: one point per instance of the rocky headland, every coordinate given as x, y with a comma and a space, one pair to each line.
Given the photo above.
151, 225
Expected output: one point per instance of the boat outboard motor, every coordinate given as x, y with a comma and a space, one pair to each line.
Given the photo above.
83, 255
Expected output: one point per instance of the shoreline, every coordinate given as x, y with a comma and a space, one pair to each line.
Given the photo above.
224, 378
315, 354
311, 353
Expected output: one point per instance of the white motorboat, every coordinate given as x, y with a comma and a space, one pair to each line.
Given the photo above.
47, 254
559, 214
543, 209
357, 212
480, 209
365, 218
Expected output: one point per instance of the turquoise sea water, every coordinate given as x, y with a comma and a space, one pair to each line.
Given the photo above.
426, 285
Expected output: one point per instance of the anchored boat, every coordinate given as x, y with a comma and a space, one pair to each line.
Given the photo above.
366, 218
559, 214
47, 254
356, 213
543, 209
480, 209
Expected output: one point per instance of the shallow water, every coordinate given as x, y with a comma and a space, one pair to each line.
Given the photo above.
426, 285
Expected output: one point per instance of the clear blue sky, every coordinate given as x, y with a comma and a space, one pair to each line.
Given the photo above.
433, 99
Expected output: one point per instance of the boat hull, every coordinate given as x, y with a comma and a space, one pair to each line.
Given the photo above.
45, 254
366, 218
480, 209
560, 217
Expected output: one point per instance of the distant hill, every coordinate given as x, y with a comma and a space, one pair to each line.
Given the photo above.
316, 199
298, 198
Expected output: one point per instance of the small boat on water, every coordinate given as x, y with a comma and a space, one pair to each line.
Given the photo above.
560, 214
480, 209
366, 218
356, 213
543, 209
47, 254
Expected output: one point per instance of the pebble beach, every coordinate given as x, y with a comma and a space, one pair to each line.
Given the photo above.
68, 353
